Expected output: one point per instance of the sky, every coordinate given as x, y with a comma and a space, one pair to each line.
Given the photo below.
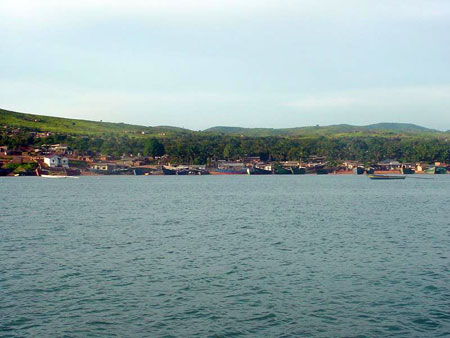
249, 63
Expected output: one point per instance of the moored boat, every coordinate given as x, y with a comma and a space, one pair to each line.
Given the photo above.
5, 171
359, 170
279, 170
141, 171
228, 171
57, 172
322, 171
436, 170
229, 168
175, 170
407, 171
298, 170
385, 177
259, 171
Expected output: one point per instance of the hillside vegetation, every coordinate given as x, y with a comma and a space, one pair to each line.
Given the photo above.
79, 127
333, 130
98, 128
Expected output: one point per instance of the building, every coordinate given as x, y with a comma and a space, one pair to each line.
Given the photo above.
56, 161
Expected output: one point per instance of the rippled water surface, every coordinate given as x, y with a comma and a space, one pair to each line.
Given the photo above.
181, 256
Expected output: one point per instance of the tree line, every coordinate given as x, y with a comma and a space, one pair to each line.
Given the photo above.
199, 149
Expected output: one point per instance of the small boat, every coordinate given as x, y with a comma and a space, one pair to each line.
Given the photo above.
436, 170
141, 171
237, 170
5, 172
385, 177
57, 172
175, 170
322, 171
359, 170
407, 171
298, 170
259, 171
279, 170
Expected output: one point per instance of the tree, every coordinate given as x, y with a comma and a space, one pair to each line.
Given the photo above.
154, 148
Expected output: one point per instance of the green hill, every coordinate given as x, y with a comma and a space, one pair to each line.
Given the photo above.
80, 127
379, 128
85, 127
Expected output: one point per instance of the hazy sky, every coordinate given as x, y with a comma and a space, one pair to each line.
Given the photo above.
250, 63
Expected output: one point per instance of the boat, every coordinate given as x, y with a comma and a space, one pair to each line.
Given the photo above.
436, 170
279, 170
259, 171
56, 172
5, 171
58, 176
198, 171
298, 170
228, 171
141, 171
407, 171
175, 170
322, 171
291, 170
386, 177
26, 173
359, 170
229, 168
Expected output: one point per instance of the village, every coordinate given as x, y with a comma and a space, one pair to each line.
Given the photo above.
59, 159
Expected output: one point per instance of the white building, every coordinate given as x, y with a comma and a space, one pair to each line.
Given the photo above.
56, 161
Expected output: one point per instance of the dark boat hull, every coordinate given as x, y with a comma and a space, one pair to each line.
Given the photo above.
322, 171
5, 172
298, 170
141, 171
259, 171
172, 172
228, 172
385, 177
407, 171
359, 170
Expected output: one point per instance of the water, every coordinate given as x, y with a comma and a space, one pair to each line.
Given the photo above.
274, 256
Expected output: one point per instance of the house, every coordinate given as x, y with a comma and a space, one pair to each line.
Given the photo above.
56, 161
60, 149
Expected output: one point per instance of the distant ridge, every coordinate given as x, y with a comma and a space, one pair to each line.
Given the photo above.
85, 127
388, 127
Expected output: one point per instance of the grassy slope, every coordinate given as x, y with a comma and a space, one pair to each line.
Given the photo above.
81, 127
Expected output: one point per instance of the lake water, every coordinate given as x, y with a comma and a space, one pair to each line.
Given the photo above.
275, 256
